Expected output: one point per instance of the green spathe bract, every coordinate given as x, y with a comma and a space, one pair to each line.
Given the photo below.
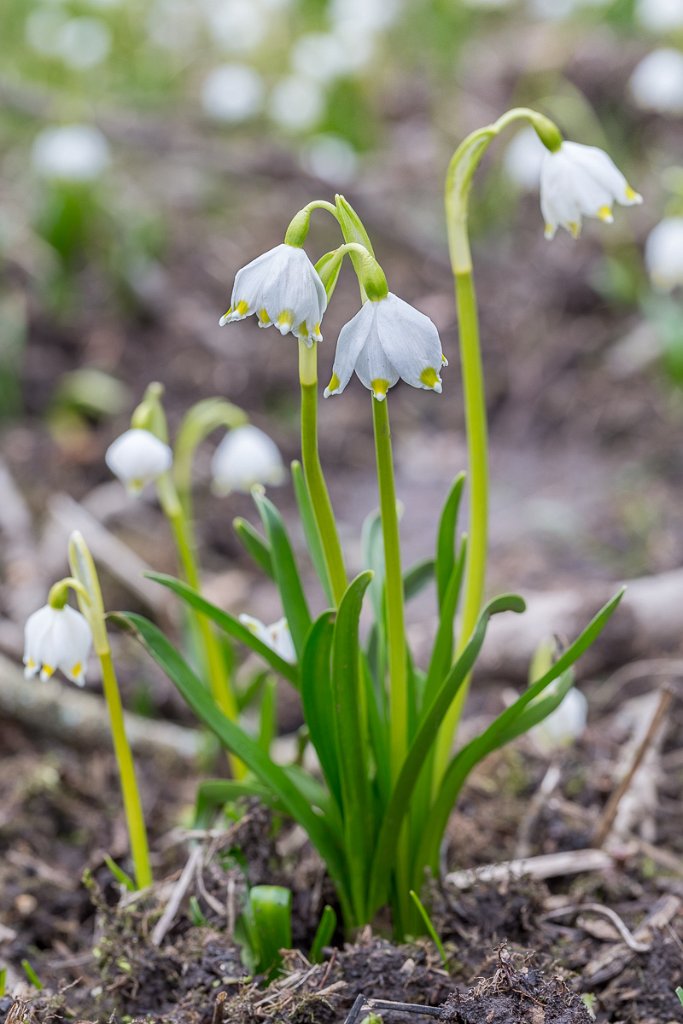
382, 728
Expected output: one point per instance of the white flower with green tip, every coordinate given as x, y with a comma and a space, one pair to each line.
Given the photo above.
137, 458
246, 456
581, 181
282, 288
277, 636
57, 638
386, 340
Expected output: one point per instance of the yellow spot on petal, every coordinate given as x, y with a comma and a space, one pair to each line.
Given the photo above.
632, 196
574, 228
29, 663
430, 377
334, 383
77, 669
242, 307
285, 320
380, 387
46, 671
605, 214
302, 331
263, 317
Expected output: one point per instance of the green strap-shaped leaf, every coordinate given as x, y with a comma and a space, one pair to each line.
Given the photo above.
442, 651
474, 751
311, 531
254, 544
318, 700
231, 625
286, 573
399, 803
268, 716
237, 741
417, 578
323, 935
445, 541
352, 741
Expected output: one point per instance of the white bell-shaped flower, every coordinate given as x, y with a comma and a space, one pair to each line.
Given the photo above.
57, 638
664, 254
564, 725
581, 181
137, 458
246, 456
659, 15
281, 287
277, 636
657, 82
388, 339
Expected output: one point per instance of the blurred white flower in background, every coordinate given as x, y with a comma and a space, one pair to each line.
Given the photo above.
297, 103
173, 24
326, 56
138, 457
664, 254
232, 93
523, 158
237, 26
246, 456
659, 15
364, 15
42, 29
330, 158
74, 153
564, 725
657, 82
277, 636
83, 43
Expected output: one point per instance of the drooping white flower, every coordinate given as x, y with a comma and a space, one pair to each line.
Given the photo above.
657, 82
385, 340
664, 254
581, 181
523, 159
283, 288
277, 636
246, 456
137, 458
232, 93
564, 725
659, 15
73, 153
57, 638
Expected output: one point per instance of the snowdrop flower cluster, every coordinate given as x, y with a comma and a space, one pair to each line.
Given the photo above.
581, 181
657, 82
57, 638
277, 636
137, 458
232, 93
282, 288
664, 254
70, 153
246, 456
385, 340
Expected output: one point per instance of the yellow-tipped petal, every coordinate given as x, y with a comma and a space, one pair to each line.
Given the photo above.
242, 308
46, 672
430, 379
284, 321
574, 228
632, 196
263, 318
334, 383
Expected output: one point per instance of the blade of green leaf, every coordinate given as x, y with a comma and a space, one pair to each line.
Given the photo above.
350, 724
318, 702
228, 622
268, 716
237, 741
286, 572
474, 751
399, 803
442, 651
254, 544
269, 916
445, 542
417, 578
311, 531
323, 934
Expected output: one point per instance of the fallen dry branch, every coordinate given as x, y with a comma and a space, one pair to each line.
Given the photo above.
547, 865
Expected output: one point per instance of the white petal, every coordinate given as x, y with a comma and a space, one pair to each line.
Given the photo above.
410, 342
373, 367
281, 640
258, 628
603, 171
138, 457
246, 456
664, 253
350, 343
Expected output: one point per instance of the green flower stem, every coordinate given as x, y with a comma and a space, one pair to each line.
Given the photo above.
215, 662
461, 171
396, 633
313, 472
89, 596
135, 820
